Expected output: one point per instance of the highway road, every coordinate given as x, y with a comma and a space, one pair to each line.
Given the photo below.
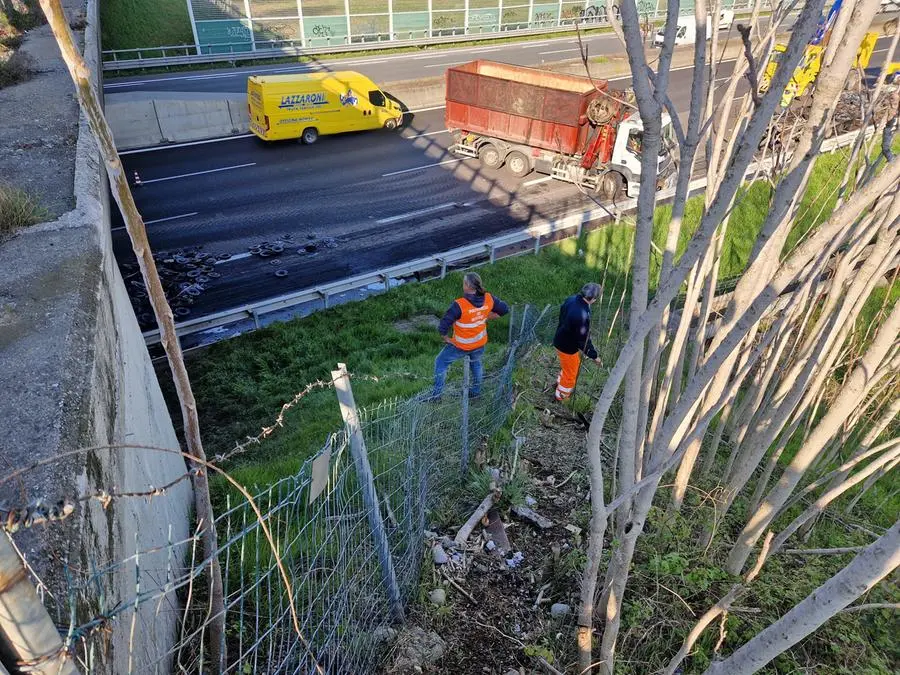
358, 202
386, 68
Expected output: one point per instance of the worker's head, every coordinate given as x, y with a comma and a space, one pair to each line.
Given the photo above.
590, 293
472, 284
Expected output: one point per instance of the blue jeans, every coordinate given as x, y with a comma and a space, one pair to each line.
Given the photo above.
448, 355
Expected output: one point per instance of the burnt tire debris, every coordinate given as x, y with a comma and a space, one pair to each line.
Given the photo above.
187, 273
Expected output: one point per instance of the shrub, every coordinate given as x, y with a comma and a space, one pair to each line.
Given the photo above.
15, 69
18, 209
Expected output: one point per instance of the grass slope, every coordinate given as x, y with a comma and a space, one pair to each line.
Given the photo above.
241, 384
131, 24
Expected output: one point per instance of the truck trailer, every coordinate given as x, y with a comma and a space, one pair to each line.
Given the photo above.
564, 126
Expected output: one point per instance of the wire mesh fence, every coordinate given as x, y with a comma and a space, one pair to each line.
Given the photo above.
321, 593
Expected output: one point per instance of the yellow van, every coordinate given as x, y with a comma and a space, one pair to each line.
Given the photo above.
308, 105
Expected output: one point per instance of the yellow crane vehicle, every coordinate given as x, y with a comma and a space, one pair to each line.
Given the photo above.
808, 69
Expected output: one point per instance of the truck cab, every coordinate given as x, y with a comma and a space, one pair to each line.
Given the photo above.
628, 151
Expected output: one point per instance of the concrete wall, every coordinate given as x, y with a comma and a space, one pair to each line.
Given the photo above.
75, 373
142, 119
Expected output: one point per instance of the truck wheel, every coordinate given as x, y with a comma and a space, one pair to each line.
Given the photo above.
611, 186
310, 135
390, 124
490, 156
518, 164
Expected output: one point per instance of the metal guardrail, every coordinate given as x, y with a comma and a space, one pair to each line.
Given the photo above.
232, 52
486, 251
288, 48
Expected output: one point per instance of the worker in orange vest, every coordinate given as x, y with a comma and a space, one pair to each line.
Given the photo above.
573, 335
468, 317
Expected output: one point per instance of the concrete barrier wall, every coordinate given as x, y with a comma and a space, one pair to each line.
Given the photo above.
144, 119
75, 374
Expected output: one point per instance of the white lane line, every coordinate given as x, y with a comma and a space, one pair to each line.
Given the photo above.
559, 51
430, 133
198, 173
182, 145
237, 256
431, 56
436, 107
419, 168
445, 65
535, 181
488, 49
416, 214
161, 220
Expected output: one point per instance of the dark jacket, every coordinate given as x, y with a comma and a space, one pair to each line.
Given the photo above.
573, 333
454, 312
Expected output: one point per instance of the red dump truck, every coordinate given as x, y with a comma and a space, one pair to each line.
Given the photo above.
561, 125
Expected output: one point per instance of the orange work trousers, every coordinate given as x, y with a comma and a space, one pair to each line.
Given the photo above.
565, 383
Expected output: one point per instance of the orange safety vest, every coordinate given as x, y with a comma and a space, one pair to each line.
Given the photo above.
470, 331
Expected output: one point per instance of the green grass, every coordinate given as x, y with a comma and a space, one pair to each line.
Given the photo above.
18, 209
132, 24
241, 384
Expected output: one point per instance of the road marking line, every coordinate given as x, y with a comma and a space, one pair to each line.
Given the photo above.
560, 51
161, 220
415, 214
535, 181
445, 65
237, 256
182, 145
419, 168
198, 173
430, 133
436, 107
430, 56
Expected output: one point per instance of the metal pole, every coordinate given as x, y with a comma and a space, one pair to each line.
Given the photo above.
250, 22
559, 14
300, 19
390, 19
347, 12
464, 426
367, 484
193, 27
25, 627
466, 18
500, 20
530, 13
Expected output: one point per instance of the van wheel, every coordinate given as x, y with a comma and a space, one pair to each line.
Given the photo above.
518, 164
490, 156
390, 124
310, 135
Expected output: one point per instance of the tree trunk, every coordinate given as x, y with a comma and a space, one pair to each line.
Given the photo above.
867, 569
137, 233
859, 383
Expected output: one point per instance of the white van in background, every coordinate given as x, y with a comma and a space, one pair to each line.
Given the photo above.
686, 31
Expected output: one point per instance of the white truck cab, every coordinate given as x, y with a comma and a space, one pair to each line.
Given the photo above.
686, 30
628, 149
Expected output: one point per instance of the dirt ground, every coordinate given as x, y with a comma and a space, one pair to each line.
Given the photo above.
495, 624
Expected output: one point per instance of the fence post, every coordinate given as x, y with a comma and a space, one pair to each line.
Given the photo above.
25, 626
190, 10
430, 19
390, 19
464, 426
302, 27
559, 14
349, 25
367, 485
250, 24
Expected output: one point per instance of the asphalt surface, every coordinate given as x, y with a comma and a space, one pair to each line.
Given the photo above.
387, 68
364, 201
